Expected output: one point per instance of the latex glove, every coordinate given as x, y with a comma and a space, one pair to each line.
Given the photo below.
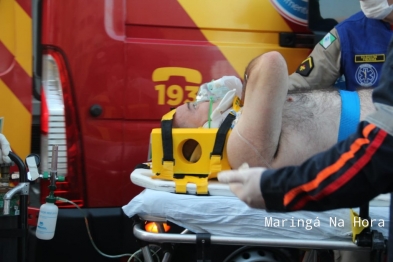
4, 150
245, 184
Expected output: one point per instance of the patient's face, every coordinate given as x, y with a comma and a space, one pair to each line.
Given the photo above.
189, 115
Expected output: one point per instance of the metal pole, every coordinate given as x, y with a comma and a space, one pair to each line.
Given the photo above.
23, 202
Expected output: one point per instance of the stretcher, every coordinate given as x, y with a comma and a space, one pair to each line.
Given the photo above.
222, 219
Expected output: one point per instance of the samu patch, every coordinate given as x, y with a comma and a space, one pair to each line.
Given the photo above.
306, 67
327, 40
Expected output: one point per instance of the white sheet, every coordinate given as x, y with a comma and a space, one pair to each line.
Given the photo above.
228, 216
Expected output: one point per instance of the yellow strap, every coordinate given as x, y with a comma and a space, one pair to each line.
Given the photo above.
236, 104
215, 165
181, 183
200, 182
169, 115
357, 225
166, 171
181, 186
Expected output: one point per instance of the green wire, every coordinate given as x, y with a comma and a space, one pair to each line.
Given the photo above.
209, 119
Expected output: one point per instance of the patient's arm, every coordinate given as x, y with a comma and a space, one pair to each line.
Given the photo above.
255, 137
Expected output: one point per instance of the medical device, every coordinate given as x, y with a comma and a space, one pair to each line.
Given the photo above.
48, 212
169, 163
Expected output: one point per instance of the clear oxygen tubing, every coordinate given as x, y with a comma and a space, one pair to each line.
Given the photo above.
131, 256
209, 117
253, 148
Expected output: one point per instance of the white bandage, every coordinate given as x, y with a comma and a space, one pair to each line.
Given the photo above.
4, 150
376, 9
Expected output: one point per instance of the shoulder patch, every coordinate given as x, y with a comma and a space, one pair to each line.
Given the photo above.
306, 67
327, 40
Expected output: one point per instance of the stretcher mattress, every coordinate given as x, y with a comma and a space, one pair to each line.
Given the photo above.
225, 215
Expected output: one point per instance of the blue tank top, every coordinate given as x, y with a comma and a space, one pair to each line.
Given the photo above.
364, 43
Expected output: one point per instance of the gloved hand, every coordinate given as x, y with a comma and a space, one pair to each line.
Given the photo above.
245, 184
4, 150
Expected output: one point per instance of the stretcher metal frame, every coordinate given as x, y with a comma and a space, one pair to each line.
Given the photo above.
203, 241
338, 244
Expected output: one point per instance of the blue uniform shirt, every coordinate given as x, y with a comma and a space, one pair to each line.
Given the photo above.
364, 43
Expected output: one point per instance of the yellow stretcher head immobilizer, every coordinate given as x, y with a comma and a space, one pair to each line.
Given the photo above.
169, 162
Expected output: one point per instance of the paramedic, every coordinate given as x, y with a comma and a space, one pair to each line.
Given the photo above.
349, 174
355, 48
4, 150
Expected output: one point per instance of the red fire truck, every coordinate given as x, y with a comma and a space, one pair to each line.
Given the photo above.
95, 77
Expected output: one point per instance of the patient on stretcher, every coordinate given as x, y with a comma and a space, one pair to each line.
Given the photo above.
276, 128
273, 128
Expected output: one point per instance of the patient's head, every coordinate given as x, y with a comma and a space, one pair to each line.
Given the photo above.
221, 93
192, 115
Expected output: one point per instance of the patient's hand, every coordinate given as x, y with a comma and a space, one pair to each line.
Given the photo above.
245, 184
